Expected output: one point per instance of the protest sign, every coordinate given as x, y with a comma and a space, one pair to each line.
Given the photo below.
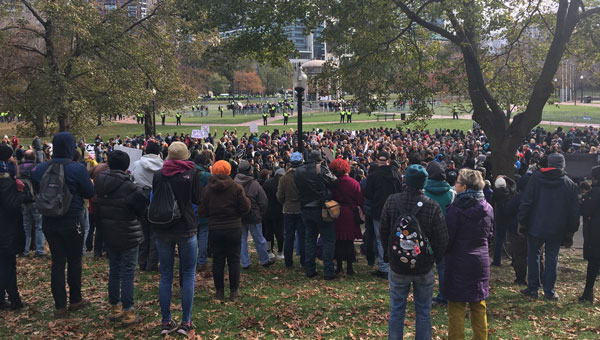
134, 154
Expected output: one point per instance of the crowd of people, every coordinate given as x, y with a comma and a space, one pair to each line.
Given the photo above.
418, 200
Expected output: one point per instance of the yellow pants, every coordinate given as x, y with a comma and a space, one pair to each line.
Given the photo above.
456, 320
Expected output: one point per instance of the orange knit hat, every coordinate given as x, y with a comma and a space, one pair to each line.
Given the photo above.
221, 168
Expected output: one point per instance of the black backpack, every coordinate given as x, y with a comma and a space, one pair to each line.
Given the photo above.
54, 198
408, 247
164, 210
28, 191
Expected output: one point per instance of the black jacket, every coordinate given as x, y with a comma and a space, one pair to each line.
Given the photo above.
12, 240
381, 183
313, 187
591, 224
501, 197
274, 209
118, 207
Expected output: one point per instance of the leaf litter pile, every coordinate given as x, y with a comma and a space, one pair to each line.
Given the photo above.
280, 303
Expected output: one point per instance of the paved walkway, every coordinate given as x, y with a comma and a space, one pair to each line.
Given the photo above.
278, 121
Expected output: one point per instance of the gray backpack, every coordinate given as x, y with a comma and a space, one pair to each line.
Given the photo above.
54, 198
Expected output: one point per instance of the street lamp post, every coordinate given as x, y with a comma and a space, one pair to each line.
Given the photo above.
581, 85
300, 84
154, 112
556, 91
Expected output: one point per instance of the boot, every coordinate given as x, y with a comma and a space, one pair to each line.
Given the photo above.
220, 294
350, 270
16, 304
129, 318
116, 312
79, 305
587, 297
234, 295
339, 268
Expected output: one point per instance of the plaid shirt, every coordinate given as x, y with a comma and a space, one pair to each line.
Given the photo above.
430, 217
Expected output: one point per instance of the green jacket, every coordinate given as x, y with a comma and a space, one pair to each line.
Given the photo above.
441, 192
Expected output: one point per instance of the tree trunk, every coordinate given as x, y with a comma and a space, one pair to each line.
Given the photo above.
99, 119
63, 123
148, 122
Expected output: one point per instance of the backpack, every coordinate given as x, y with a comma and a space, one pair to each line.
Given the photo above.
54, 198
408, 247
164, 210
28, 191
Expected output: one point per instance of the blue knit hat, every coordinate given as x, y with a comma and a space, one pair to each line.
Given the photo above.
415, 176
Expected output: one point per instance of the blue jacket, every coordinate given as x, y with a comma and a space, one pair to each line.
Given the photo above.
550, 205
76, 175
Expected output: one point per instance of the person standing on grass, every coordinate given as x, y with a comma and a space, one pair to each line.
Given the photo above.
186, 187
119, 206
11, 195
470, 221
591, 235
202, 164
224, 202
32, 219
64, 233
412, 202
548, 214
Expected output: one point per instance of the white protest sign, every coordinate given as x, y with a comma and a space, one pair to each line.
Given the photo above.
196, 134
205, 131
134, 154
253, 128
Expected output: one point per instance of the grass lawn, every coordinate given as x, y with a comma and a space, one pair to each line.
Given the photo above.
283, 304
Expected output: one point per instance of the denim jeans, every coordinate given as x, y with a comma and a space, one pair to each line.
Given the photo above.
85, 224
31, 218
293, 223
314, 225
259, 242
534, 252
202, 243
422, 291
188, 251
383, 266
498, 243
120, 277
441, 267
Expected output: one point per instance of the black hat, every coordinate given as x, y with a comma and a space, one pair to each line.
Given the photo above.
314, 156
152, 148
5, 152
435, 171
244, 167
383, 154
201, 159
118, 160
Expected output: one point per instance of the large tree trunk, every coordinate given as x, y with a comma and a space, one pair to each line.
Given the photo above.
63, 123
148, 121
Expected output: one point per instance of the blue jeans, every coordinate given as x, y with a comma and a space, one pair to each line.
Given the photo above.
259, 242
293, 223
534, 252
314, 225
202, 243
188, 251
121, 274
85, 225
31, 216
383, 266
498, 243
441, 267
422, 291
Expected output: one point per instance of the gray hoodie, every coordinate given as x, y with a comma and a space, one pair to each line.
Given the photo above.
143, 169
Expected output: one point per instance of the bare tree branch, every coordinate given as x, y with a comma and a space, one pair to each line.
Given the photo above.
34, 12
432, 27
29, 49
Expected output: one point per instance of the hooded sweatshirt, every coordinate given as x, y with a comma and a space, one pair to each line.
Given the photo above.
76, 175
224, 202
441, 192
257, 196
144, 168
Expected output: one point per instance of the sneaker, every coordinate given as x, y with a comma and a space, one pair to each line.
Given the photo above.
79, 305
380, 274
280, 256
529, 293
234, 295
15, 305
185, 328
271, 255
168, 328
586, 298
313, 274
268, 264
551, 297
329, 277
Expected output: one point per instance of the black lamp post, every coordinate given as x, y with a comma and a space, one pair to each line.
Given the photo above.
154, 112
300, 82
581, 85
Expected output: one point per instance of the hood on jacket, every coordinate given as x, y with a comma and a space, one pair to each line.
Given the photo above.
550, 176
151, 162
437, 186
63, 145
173, 167
470, 206
243, 179
109, 181
219, 183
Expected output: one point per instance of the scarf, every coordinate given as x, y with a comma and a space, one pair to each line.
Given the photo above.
476, 194
172, 167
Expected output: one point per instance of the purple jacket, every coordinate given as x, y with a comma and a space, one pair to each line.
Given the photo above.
470, 225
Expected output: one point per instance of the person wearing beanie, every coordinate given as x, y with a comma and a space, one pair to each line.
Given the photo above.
142, 172
591, 235
504, 189
382, 182
273, 220
224, 202
313, 180
252, 222
467, 271
119, 207
202, 165
186, 186
287, 195
12, 241
440, 191
549, 212
433, 226
64, 233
